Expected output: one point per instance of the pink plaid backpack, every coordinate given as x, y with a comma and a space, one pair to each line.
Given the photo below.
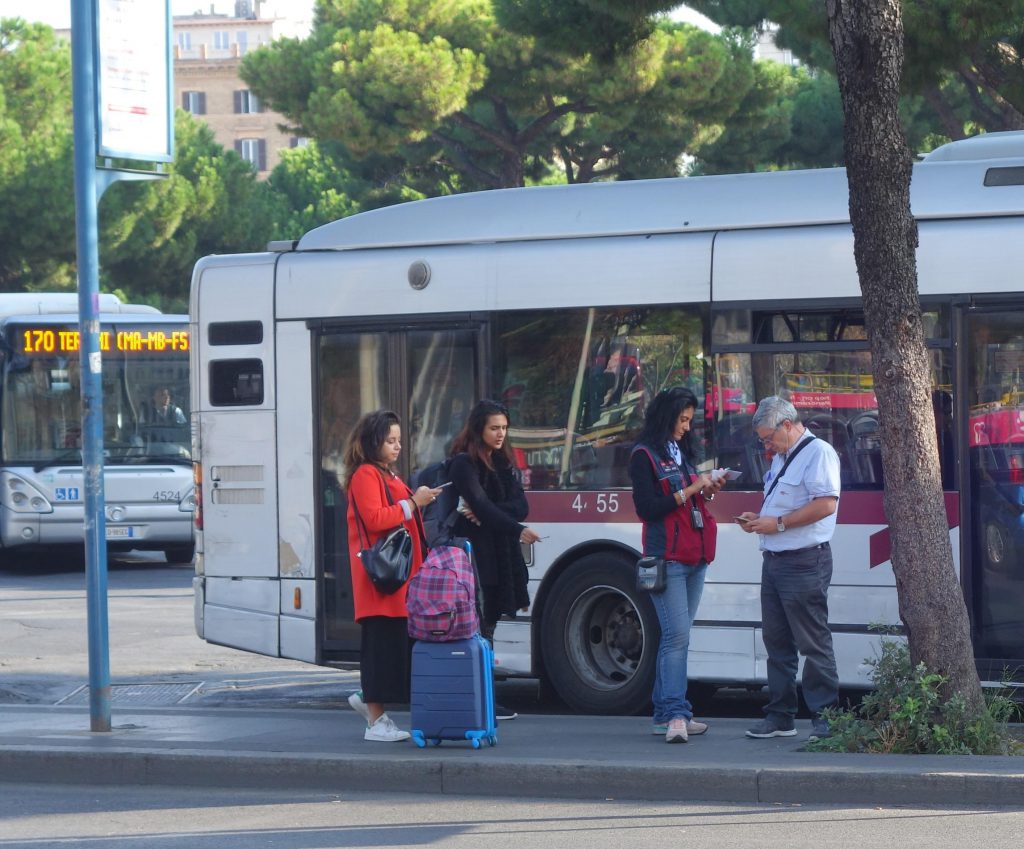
441, 597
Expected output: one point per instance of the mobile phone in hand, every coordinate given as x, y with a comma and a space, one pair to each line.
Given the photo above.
443, 485
741, 519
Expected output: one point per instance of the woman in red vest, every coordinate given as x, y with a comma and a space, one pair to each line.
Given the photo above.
383, 503
670, 497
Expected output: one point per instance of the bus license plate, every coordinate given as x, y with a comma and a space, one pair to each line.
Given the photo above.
120, 533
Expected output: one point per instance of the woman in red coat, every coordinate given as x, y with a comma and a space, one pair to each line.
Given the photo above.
383, 503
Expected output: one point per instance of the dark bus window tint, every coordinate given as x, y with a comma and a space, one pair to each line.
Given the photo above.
577, 384
833, 391
236, 332
236, 383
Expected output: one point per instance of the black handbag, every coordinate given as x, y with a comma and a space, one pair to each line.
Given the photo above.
388, 561
650, 574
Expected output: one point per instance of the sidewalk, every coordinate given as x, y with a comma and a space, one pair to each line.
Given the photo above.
574, 757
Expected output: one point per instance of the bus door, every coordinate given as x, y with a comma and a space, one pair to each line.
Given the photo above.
995, 486
430, 376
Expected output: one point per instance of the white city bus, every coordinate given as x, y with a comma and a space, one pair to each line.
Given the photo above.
574, 305
147, 479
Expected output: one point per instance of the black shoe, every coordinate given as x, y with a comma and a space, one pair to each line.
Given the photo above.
501, 712
772, 727
819, 729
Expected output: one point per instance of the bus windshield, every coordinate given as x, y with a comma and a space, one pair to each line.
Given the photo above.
145, 394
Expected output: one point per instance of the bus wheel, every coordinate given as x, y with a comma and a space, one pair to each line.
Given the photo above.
180, 553
599, 637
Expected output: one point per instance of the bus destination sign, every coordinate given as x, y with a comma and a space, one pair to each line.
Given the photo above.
35, 341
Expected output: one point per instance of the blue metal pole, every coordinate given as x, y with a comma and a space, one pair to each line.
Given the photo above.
83, 71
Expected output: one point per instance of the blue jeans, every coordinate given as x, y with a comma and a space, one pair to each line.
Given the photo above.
676, 607
794, 621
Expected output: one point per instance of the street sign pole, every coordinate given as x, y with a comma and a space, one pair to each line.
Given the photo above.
83, 70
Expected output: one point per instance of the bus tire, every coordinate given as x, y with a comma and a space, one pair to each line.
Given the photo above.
180, 553
599, 637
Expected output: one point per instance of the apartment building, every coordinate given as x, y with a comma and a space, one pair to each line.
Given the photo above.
208, 51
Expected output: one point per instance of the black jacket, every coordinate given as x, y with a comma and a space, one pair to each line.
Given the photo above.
497, 499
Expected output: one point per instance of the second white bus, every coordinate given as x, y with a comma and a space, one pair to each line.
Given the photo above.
147, 477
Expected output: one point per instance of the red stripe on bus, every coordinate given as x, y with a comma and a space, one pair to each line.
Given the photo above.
616, 505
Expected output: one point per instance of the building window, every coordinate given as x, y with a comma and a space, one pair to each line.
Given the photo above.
247, 103
194, 102
221, 40
298, 141
253, 151
185, 40
242, 40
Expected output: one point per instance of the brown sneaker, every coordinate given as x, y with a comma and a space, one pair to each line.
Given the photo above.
677, 730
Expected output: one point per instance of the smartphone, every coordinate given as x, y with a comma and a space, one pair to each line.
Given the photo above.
741, 519
443, 485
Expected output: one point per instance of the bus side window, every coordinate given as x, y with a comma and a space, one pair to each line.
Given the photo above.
236, 383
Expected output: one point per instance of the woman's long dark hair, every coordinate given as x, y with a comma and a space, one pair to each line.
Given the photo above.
660, 421
365, 441
471, 438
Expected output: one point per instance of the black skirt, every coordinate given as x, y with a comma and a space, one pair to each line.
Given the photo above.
385, 660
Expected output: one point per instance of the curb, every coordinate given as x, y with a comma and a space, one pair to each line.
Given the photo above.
511, 777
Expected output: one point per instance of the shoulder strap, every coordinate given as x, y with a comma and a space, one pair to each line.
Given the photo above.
363, 531
782, 471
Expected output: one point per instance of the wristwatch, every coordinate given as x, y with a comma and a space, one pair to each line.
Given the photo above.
780, 526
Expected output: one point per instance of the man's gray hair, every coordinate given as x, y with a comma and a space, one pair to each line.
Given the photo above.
773, 411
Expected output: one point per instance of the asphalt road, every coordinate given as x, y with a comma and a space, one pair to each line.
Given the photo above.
47, 816
157, 659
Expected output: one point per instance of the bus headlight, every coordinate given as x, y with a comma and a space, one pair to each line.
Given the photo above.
188, 503
20, 496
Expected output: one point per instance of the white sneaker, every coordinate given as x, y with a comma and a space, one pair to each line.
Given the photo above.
359, 706
385, 731
676, 732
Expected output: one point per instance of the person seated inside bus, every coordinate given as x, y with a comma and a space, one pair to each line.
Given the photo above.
162, 420
161, 411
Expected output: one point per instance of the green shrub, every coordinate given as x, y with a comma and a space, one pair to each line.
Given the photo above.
905, 714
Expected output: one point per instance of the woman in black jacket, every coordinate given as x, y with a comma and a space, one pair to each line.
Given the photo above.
492, 506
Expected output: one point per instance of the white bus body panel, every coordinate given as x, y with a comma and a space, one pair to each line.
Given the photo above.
240, 492
673, 268
296, 484
953, 257
232, 288
298, 624
239, 542
242, 613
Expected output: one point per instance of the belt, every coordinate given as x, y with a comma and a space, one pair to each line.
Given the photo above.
797, 550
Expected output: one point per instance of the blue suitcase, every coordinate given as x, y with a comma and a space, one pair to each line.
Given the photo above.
453, 692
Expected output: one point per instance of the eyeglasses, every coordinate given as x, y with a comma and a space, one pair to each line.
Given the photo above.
767, 440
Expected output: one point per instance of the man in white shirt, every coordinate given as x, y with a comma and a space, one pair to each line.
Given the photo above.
795, 526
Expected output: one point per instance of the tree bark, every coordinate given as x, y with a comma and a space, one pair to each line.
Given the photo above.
867, 40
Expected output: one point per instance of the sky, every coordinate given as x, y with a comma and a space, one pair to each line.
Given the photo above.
57, 13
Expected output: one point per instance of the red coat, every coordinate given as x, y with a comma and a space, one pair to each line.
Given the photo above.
366, 488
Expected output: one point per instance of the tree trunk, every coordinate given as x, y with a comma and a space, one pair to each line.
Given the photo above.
867, 40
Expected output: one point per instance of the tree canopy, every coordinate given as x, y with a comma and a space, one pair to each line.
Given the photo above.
37, 210
963, 56
150, 233
452, 97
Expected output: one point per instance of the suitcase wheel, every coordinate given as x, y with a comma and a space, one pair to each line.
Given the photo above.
417, 738
476, 742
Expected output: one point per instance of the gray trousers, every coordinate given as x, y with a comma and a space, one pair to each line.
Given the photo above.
794, 618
